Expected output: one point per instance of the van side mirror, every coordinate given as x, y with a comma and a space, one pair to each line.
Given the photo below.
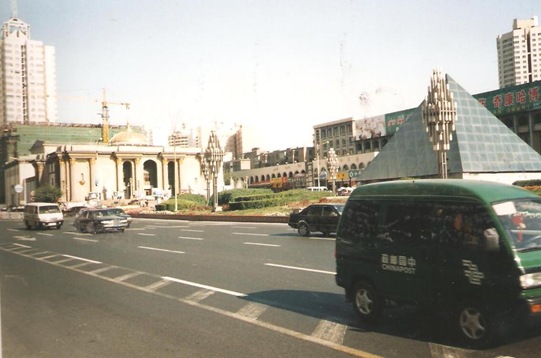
492, 239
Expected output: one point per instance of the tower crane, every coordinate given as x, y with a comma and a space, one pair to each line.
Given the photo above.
105, 116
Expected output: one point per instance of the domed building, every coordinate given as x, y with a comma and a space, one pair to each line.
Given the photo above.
76, 159
129, 137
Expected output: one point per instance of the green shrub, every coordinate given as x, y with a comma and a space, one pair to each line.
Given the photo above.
47, 193
531, 182
227, 196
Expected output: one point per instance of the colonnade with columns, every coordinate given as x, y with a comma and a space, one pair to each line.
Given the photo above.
79, 174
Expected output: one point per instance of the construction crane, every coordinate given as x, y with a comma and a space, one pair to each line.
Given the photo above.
105, 116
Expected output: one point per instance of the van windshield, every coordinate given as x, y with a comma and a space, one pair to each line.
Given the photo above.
50, 209
522, 219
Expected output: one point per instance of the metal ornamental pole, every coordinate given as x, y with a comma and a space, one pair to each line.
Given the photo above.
214, 156
440, 116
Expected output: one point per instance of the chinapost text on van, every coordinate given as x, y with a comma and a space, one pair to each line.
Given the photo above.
470, 249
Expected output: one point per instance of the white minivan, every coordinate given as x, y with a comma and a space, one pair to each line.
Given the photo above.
43, 215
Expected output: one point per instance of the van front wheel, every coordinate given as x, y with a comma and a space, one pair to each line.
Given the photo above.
366, 302
474, 324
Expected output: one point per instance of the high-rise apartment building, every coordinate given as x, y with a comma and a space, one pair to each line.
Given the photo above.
27, 76
519, 53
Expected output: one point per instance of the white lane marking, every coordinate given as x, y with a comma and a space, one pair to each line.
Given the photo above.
301, 268
189, 283
65, 260
16, 230
144, 234
21, 245
44, 234
82, 259
82, 264
252, 310
248, 234
244, 227
165, 226
193, 230
330, 331
76, 233
47, 257
25, 238
39, 253
127, 276
270, 326
157, 249
100, 270
260, 244
157, 285
190, 238
321, 238
438, 350
83, 239
200, 295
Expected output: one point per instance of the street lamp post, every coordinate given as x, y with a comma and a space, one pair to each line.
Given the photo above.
317, 163
440, 115
173, 141
213, 157
332, 164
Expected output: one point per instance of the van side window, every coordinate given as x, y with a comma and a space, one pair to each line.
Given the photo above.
462, 225
360, 221
406, 221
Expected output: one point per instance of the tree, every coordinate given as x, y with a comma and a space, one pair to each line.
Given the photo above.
47, 193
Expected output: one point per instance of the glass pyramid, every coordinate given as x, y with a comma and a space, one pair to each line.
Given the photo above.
481, 144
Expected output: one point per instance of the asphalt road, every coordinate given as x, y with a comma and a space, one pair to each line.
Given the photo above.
198, 289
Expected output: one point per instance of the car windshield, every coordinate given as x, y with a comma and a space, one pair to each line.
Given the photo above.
522, 219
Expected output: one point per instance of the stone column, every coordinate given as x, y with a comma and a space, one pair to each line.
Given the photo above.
39, 172
138, 181
118, 163
63, 168
165, 175
92, 172
72, 179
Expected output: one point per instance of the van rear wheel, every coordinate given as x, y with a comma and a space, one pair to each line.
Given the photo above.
366, 302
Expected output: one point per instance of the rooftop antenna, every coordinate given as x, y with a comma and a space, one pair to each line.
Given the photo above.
14, 9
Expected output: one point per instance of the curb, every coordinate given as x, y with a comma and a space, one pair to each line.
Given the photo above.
230, 218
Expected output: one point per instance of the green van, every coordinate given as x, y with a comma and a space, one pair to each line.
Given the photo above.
469, 248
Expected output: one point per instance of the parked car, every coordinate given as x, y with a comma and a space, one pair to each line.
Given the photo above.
99, 220
122, 213
316, 217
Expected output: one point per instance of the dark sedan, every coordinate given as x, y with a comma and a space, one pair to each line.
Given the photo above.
122, 213
99, 220
316, 217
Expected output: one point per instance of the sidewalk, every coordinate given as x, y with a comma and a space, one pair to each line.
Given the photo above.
11, 215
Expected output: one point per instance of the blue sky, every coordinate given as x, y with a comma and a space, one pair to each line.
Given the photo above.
277, 67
